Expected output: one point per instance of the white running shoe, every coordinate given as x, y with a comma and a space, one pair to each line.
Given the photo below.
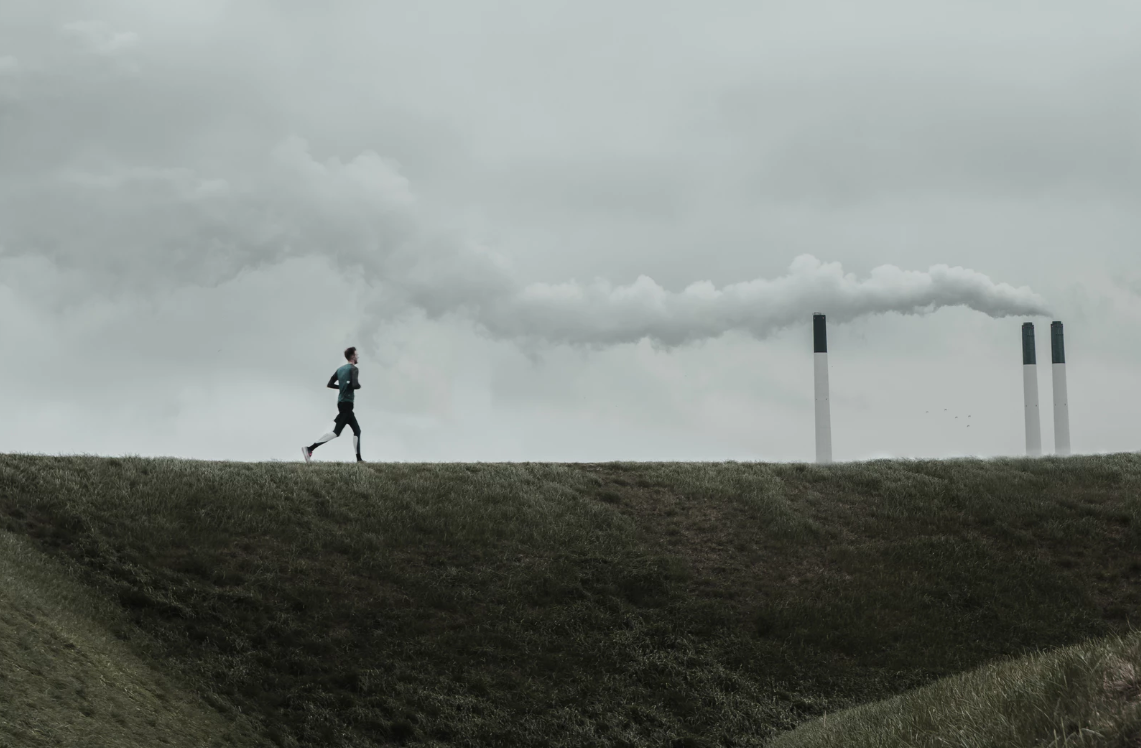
305, 451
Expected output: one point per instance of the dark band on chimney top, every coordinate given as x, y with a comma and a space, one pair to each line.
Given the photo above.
1057, 345
819, 334
1028, 356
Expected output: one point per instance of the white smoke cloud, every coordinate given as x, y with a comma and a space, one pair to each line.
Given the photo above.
364, 217
133, 227
441, 273
601, 314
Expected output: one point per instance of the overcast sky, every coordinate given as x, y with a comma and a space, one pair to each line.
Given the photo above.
565, 231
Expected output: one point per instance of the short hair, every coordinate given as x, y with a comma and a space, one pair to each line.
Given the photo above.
350, 351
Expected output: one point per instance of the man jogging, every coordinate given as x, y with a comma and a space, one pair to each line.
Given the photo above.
344, 379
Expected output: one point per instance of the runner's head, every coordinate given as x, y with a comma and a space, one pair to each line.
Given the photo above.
351, 354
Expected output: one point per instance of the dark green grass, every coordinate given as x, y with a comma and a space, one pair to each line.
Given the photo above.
1087, 694
626, 604
67, 678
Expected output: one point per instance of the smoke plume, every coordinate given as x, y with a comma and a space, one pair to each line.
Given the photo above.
364, 218
114, 224
443, 274
601, 314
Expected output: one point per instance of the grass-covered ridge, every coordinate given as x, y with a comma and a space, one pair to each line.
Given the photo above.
66, 678
635, 604
1087, 694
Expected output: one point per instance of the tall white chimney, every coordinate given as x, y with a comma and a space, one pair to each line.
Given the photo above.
1061, 401
1030, 392
823, 417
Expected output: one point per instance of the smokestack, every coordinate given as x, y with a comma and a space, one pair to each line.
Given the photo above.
1030, 392
823, 418
1061, 401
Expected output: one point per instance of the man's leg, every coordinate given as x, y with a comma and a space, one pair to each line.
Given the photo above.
338, 427
326, 437
352, 421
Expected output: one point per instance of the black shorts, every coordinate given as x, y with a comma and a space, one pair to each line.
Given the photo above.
345, 417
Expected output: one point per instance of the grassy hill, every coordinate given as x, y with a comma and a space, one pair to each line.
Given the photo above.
1087, 694
624, 604
68, 678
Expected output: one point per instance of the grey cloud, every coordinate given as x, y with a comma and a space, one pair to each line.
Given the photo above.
611, 186
100, 38
933, 126
9, 84
137, 227
143, 229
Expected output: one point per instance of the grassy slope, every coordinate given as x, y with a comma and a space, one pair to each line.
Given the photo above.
1087, 694
611, 604
66, 679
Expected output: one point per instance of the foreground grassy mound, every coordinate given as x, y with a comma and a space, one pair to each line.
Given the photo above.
574, 605
67, 679
1088, 694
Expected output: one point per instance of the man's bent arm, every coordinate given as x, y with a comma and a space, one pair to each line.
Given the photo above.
353, 379
333, 382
